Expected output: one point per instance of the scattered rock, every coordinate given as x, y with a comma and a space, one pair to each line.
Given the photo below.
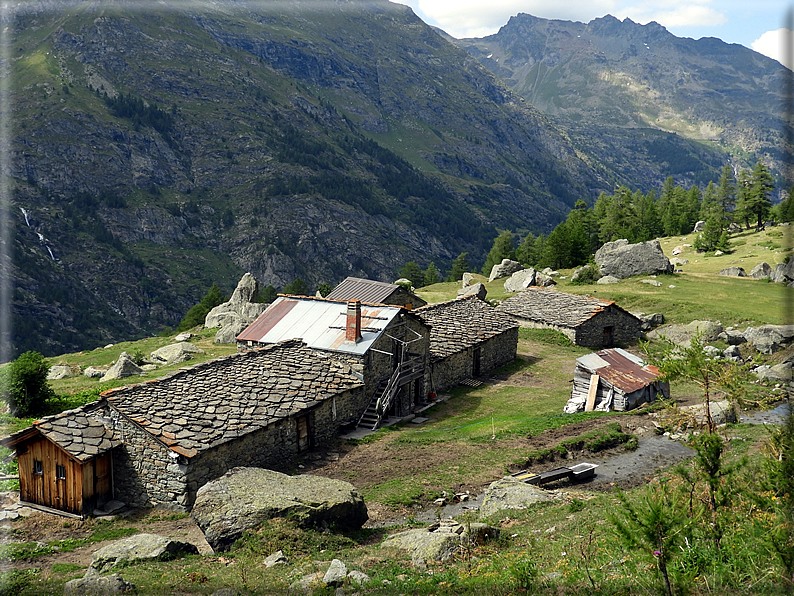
778, 372
550, 272
677, 250
94, 584
277, 558
467, 279
183, 336
675, 261
520, 280
682, 335
621, 259
439, 541
699, 226
721, 413
358, 578
733, 272
509, 493
780, 274
732, 353
734, 228
651, 282
505, 268
712, 351
336, 574
125, 366
307, 583
93, 372
477, 289
649, 321
175, 353
138, 548
544, 281
244, 497
761, 271
59, 371
608, 279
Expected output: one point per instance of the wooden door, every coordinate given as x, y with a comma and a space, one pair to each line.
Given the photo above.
476, 364
303, 433
103, 488
609, 336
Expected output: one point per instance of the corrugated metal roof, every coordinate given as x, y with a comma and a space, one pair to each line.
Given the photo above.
366, 290
620, 368
319, 323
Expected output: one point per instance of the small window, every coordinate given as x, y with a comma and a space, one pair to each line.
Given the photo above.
60, 472
38, 468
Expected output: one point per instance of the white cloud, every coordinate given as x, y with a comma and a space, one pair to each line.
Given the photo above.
679, 13
772, 44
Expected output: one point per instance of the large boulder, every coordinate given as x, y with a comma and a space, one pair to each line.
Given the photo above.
769, 338
175, 353
544, 281
140, 547
509, 493
59, 371
124, 367
245, 497
521, 280
439, 541
733, 272
477, 289
722, 412
682, 335
240, 311
778, 372
505, 268
467, 279
621, 259
761, 271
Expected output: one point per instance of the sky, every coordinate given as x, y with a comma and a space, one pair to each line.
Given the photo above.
756, 24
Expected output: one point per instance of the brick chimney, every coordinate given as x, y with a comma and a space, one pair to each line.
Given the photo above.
353, 328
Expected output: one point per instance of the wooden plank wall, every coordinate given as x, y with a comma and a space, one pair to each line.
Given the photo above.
45, 488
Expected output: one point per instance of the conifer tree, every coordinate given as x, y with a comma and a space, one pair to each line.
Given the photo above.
459, 266
502, 249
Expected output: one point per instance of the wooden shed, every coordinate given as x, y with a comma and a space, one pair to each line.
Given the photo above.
65, 461
613, 380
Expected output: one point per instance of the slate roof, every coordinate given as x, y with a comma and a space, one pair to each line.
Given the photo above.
319, 322
459, 324
198, 408
79, 432
619, 368
366, 290
554, 307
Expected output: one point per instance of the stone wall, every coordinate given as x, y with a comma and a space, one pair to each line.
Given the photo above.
626, 328
494, 352
144, 474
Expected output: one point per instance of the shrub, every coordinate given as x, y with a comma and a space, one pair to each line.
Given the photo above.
25, 386
588, 274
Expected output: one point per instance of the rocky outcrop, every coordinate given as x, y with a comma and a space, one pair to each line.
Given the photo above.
96, 584
467, 279
124, 367
775, 373
505, 268
769, 338
244, 497
607, 280
621, 259
649, 321
140, 547
240, 311
682, 335
175, 353
722, 412
509, 493
477, 289
439, 541
59, 371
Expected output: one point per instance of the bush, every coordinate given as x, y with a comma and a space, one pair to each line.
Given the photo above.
25, 386
198, 313
588, 274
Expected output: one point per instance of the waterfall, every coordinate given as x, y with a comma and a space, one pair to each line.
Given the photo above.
25, 213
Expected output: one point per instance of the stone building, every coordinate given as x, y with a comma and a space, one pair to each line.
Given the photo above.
586, 321
254, 408
386, 345
468, 338
375, 292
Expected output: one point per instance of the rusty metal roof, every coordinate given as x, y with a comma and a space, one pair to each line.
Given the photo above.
620, 368
366, 290
320, 323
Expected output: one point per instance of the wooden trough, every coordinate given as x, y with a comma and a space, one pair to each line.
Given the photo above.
578, 472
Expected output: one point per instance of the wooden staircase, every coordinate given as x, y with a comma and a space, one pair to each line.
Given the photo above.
383, 396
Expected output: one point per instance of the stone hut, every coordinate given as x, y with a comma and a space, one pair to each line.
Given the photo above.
375, 292
613, 380
468, 338
65, 460
387, 346
586, 321
254, 408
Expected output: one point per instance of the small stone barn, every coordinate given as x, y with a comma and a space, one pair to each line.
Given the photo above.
468, 338
613, 380
387, 346
587, 321
65, 460
375, 292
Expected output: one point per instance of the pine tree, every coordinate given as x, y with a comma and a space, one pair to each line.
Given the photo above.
459, 266
196, 315
502, 249
726, 193
431, 275
414, 273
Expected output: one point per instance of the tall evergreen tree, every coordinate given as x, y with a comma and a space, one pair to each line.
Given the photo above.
459, 266
502, 249
196, 315
413, 272
726, 194
431, 275
710, 207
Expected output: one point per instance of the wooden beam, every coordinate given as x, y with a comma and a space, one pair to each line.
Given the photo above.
591, 395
